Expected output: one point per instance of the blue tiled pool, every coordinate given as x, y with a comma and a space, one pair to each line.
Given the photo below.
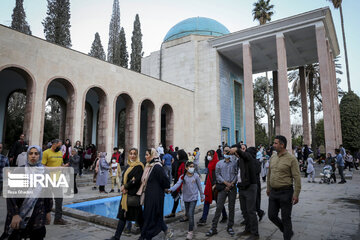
108, 207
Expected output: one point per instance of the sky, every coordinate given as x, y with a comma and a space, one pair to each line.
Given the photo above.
158, 16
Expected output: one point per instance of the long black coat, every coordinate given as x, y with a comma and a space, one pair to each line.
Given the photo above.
154, 202
133, 213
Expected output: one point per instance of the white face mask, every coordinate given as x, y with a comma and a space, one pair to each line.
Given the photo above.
191, 170
113, 161
227, 156
209, 158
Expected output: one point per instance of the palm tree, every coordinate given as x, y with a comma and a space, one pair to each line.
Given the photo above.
262, 12
338, 5
312, 79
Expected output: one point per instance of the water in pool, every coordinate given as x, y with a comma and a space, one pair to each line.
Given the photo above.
108, 207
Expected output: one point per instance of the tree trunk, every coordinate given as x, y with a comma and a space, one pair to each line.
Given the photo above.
312, 110
268, 108
345, 50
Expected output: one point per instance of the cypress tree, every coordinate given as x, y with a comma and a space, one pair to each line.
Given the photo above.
97, 49
136, 46
124, 56
57, 23
114, 35
19, 18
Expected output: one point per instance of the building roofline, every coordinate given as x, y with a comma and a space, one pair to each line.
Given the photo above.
84, 54
321, 14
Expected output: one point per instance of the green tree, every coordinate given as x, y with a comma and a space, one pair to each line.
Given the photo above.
338, 5
312, 75
19, 18
57, 22
260, 135
262, 12
124, 56
350, 124
136, 46
319, 133
114, 35
97, 49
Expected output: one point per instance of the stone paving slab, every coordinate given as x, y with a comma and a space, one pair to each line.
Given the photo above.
328, 212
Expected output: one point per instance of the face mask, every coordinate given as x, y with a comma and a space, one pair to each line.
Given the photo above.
57, 149
113, 161
191, 170
227, 156
209, 158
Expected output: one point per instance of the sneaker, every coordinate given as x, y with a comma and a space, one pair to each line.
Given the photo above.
201, 222
112, 190
189, 235
261, 215
211, 232
168, 234
171, 215
230, 231
224, 220
313, 182
184, 219
127, 232
309, 181
59, 221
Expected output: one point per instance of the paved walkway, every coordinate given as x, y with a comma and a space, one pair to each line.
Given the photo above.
324, 212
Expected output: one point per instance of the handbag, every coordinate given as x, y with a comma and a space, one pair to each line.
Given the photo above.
133, 201
220, 186
87, 156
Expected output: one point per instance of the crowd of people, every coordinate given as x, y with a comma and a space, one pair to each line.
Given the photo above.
231, 171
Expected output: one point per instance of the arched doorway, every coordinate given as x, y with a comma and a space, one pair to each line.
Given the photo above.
147, 127
124, 118
96, 100
17, 88
167, 126
59, 110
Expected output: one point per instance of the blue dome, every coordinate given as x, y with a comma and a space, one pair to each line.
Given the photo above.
196, 25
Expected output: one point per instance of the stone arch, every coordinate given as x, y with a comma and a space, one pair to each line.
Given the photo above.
97, 98
147, 126
17, 78
167, 125
63, 90
123, 133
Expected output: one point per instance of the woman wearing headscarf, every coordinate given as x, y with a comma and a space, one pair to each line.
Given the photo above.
103, 173
26, 217
130, 208
154, 181
66, 150
210, 190
180, 168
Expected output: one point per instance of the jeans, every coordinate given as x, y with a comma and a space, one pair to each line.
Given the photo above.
281, 200
341, 173
168, 172
189, 209
58, 208
247, 199
206, 211
220, 206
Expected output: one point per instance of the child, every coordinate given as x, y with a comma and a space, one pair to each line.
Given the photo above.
191, 187
115, 173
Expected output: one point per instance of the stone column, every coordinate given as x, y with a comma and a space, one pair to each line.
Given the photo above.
276, 102
304, 106
157, 123
336, 101
109, 120
326, 91
284, 107
248, 96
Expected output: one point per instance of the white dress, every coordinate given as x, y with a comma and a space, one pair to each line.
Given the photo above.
310, 166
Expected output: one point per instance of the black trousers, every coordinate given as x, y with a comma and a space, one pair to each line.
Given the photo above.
281, 200
258, 197
75, 187
34, 234
247, 199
